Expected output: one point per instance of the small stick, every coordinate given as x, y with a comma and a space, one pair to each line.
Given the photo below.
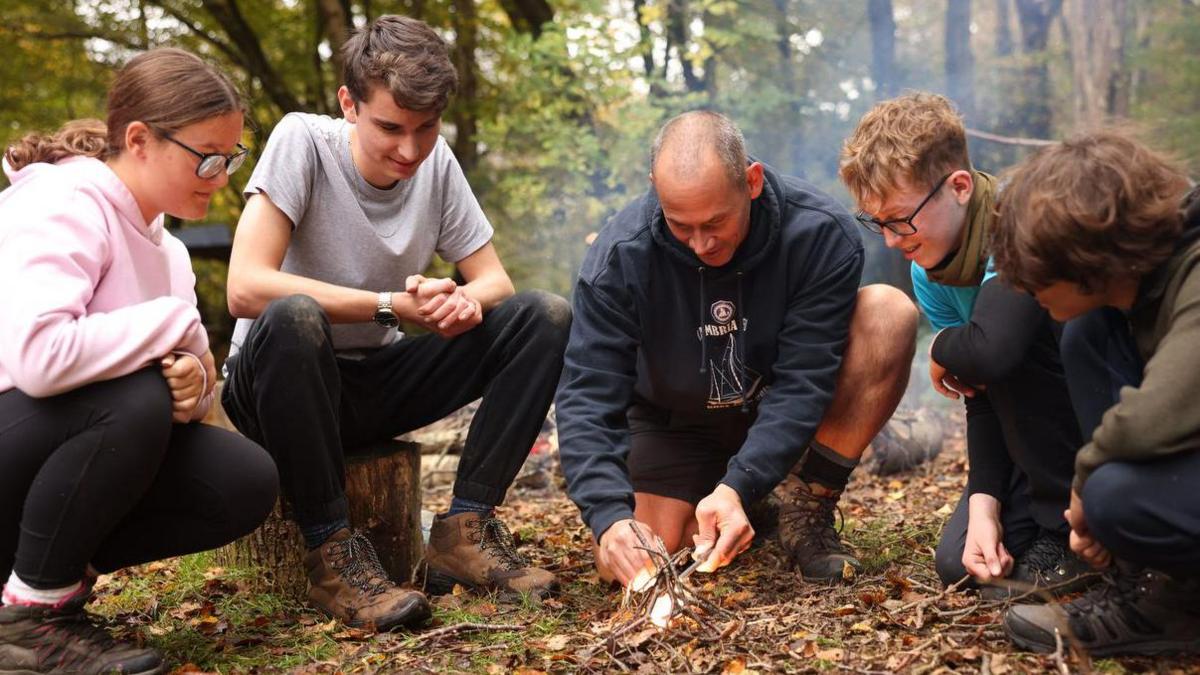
1058, 654
468, 625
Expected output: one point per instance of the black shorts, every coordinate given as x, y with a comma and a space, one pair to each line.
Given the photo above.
682, 455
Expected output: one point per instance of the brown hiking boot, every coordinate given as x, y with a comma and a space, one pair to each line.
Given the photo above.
478, 552
807, 534
66, 640
346, 581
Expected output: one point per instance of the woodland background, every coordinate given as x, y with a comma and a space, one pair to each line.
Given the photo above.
559, 98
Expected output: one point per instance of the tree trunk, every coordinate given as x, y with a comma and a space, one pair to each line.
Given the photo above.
1097, 43
646, 40
883, 47
680, 36
960, 63
464, 113
528, 16
335, 25
229, 16
383, 488
1034, 111
1004, 38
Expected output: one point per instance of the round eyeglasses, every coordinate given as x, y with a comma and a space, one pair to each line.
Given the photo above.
212, 163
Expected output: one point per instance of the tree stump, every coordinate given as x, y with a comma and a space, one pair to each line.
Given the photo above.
383, 490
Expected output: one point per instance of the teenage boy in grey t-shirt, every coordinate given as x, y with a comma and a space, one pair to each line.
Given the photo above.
341, 219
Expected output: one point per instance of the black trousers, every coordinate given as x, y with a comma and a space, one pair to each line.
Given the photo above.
290, 391
101, 475
1143, 512
1029, 418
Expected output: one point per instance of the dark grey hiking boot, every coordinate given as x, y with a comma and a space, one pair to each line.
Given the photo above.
807, 533
346, 581
1048, 564
478, 552
1144, 613
66, 640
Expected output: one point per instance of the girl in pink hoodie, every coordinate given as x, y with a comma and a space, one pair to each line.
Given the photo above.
104, 364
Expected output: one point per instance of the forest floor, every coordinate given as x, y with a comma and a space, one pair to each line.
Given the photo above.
895, 617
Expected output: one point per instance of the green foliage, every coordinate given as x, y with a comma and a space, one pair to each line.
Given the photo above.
564, 117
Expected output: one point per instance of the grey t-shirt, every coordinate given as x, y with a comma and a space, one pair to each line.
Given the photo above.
347, 232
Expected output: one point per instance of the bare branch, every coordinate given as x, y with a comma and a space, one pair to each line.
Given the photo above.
1009, 140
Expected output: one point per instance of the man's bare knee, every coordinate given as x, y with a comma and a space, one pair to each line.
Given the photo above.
885, 319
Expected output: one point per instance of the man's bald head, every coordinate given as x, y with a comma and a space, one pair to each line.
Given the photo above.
691, 145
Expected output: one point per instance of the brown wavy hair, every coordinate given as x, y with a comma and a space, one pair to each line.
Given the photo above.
406, 57
915, 138
167, 89
1094, 208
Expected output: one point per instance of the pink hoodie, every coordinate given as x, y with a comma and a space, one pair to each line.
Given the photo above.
88, 290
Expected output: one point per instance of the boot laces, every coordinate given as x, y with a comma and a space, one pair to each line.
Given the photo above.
814, 513
1045, 556
494, 536
355, 560
1115, 590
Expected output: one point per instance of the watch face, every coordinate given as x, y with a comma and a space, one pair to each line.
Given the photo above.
386, 318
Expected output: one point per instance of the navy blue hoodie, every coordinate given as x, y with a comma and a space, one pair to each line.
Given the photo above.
653, 323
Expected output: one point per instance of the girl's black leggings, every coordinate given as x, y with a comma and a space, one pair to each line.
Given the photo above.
100, 475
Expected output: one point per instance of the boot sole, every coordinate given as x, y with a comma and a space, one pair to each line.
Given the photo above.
414, 615
438, 583
1154, 648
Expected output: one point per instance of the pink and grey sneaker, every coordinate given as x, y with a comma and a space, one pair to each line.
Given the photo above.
65, 639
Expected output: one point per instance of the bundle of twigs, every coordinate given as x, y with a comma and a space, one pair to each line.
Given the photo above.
680, 609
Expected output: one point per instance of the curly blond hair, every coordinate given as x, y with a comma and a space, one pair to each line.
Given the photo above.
914, 139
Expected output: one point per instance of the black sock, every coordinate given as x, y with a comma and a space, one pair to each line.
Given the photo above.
825, 467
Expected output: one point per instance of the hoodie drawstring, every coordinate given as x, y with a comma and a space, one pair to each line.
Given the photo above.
740, 341
703, 338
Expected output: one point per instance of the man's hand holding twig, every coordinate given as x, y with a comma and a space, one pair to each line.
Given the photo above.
622, 552
724, 528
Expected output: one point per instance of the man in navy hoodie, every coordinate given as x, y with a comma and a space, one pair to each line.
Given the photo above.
721, 347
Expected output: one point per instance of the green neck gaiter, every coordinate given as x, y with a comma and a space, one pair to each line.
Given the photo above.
966, 266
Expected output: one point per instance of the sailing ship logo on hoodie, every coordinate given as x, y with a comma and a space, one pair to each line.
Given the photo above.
730, 381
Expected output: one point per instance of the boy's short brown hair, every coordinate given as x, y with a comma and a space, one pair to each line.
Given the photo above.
1091, 209
404, 56
917, 138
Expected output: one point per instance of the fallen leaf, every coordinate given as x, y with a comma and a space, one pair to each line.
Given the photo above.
557, 643
734, 667
831, 654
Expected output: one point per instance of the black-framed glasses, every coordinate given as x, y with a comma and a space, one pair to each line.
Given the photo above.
211, 163
900, 226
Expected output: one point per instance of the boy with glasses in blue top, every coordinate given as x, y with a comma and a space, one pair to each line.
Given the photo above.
908, 168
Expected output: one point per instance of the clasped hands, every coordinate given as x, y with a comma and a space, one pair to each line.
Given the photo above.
442, 305
190, 378
724, 532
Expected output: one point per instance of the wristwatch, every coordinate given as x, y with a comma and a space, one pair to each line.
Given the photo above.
384, 314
